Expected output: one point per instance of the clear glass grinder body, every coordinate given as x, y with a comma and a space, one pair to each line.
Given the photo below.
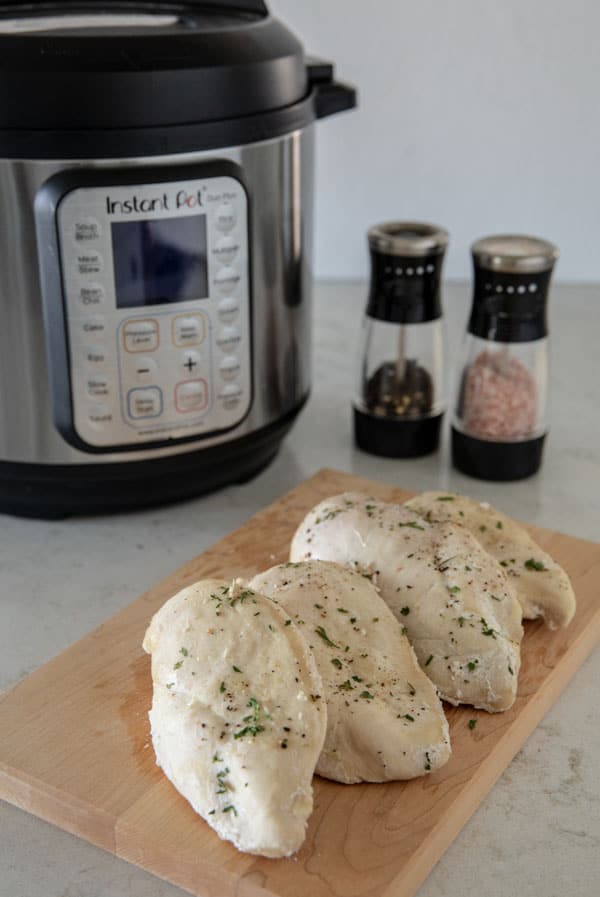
399, 399
500, 415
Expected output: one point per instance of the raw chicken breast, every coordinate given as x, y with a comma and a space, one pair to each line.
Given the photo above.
454, 599
541, 585
384, 718
237, 721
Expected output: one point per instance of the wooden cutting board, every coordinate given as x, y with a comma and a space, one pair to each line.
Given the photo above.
75, 747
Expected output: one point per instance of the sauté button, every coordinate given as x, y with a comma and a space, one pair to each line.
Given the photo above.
227, 279
99, 416
229, 367
87, 230
188, 330
141, 335
89, 262
225, 217
226, 249
228, 309
228, 338
192, 395
144, 402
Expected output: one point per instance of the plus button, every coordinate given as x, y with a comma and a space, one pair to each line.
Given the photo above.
190, 365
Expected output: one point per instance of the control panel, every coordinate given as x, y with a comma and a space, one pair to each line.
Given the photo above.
156, 294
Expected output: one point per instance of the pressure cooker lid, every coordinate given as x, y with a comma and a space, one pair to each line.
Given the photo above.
113, 64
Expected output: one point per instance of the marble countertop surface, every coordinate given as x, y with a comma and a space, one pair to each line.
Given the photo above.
538, 830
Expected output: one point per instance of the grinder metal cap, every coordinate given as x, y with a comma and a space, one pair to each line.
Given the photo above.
408, 238
514, 254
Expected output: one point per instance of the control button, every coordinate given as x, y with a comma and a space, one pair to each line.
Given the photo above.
141, 335
145, 369
144, 402
190, 362
191, 396
93, 328
227, 279
228, 338
97, 386
228, 309
226, 249
91, 294
87, 230
99, 416
229, 367
230, 396
187, 330
89, 262
225, 217
96, 358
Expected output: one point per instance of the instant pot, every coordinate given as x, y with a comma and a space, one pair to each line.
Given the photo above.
156, 178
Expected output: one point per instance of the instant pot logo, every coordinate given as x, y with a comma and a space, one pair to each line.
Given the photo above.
164, 203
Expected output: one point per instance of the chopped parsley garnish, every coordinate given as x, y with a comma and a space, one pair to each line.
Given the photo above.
429, 659
495, 598
170, 684
236, 669
461, 621
472, 664
532, 564
453, 589
427, 761
487, 630
412, 689
253, 723
367, 695
472, 723
319, 606
184, 651
510, 670
178, 665
322, 634
404, 631
499, 524
229, 809
222, 687
222, 785
413, 524
216, 758
337, 662
405, 611
288, 623
409, 717
342, 610
445, 498
346, 686
358, 679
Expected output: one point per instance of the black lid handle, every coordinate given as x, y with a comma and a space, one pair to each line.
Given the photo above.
330, 96
32, 8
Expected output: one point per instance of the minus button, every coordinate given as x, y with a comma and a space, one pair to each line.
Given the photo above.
145, 369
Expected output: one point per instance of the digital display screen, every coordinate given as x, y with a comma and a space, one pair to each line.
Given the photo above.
161, 261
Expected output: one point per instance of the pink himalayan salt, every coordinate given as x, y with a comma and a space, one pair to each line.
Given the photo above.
500, 397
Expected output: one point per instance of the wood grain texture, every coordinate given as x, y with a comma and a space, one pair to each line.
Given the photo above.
75, 746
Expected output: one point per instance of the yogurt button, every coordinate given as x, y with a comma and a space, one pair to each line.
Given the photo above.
99, 416
225, 217
228, 309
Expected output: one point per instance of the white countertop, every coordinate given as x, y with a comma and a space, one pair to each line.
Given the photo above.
538, 831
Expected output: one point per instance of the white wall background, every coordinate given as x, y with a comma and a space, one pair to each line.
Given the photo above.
480, 115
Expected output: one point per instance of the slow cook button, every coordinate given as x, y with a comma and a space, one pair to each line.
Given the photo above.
228, 309
226, 249
228, 338
225, 217
93, 328
91, 294
141, 336
227, 279
89, 262
144, 402
188, 330
99, 416
87, 230
97, 386
192, 395
229, 367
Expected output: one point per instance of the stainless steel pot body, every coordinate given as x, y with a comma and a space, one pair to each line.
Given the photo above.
278, 175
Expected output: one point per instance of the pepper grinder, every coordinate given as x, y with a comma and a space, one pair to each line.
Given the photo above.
500, 424
398, 408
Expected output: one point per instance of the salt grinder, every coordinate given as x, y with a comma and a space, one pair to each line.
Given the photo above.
500, 420
398, 408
